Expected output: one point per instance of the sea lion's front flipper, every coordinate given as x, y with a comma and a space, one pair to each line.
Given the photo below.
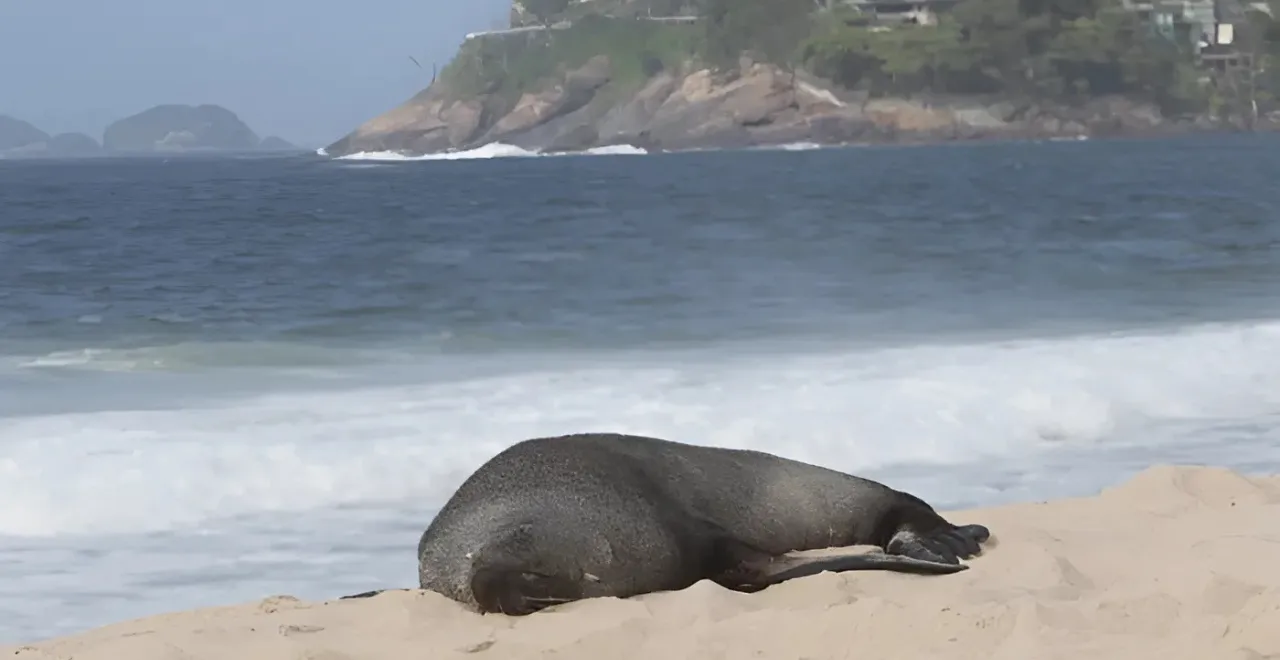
948, 544
516, 593
756, 575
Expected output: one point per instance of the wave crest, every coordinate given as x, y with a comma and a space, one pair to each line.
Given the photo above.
492, 150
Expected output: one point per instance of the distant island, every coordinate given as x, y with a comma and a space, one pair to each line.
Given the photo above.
169, 129
180, 128
19, 138
682, 74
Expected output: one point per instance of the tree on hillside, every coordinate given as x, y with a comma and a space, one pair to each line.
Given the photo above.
664, 7
545, 10
1062, 49
772, 29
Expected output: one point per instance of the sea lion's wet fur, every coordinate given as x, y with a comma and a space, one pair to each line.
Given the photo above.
557, 519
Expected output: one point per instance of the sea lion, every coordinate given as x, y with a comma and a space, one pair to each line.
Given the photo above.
557, 519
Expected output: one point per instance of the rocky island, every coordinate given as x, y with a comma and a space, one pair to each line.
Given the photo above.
162, 129
21, 139
676, 74
15, 134
187, 128
168, 128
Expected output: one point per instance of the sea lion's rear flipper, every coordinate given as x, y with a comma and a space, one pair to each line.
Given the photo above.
756, 575
789, 568
369, 594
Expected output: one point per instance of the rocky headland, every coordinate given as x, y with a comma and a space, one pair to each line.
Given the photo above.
599, 81
757, 105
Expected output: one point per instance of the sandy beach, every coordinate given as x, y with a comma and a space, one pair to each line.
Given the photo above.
1174, 563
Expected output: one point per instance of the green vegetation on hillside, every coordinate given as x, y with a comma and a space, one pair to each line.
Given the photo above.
769, 29
1059, 49
1260, 36
1056, 49
516, 63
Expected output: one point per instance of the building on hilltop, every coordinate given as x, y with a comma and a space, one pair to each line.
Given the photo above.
1185, 22
909, 12
665, 11
1232, 70
1196, 23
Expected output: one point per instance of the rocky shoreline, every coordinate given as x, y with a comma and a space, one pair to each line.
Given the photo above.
758, 105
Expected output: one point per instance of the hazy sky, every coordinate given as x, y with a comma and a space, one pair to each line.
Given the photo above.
306, 70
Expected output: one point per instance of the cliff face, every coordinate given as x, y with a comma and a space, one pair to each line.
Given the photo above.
757, 105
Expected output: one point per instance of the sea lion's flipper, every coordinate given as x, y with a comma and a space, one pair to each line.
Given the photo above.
369, 594
516, 571
947, 545
516, 592
754, 576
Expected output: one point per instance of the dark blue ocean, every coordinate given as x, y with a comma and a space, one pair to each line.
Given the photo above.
227, 378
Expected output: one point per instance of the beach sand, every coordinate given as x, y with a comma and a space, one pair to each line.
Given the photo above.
1175, 563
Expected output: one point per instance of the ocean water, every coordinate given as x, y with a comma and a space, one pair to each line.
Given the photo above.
228, 378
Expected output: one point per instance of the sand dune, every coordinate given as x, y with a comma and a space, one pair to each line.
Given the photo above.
1175, 563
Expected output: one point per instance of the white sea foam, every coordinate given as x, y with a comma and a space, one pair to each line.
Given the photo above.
126, 470
799, 146
491, 150
191, 356
613, 150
